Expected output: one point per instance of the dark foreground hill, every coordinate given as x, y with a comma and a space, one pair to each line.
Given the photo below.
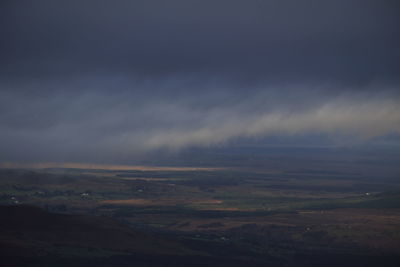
30, 236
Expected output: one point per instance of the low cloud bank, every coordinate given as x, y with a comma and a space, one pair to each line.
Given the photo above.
362, 120
96, 125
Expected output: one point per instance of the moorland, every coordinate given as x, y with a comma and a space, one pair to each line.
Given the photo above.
336, 213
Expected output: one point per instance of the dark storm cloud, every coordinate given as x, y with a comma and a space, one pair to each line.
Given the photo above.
101, 80
341, 41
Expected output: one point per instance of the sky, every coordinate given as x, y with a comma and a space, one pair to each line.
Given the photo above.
109, 81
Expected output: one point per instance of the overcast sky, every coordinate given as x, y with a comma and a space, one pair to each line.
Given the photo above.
79, 79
